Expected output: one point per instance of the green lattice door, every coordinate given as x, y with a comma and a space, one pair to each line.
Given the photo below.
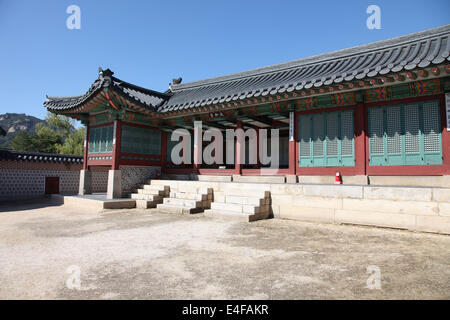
326, 139
407, 134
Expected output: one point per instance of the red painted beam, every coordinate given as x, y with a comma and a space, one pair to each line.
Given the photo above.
110, 101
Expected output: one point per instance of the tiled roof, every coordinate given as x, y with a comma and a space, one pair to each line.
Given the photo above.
149, 99
39, 157
417, 50
414, 51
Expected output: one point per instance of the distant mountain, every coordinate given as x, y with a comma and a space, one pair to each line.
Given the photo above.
13, 123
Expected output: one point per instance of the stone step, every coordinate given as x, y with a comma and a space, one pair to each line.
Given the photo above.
146, 204
184, 202
259, 179
192, 189
214, 178
149, 197
156, 189
189, 195
154, 192
239, 208
161, 193
234, 215
255, 201
238, 189
170, 183
187, 186
171, 208
169, 176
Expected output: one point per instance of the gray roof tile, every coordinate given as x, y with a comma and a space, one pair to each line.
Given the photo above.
417, 50
146, 98
379, 58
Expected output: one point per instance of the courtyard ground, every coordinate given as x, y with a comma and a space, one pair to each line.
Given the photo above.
143, 254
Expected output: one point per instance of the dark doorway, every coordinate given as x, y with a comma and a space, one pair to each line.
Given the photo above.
51, 185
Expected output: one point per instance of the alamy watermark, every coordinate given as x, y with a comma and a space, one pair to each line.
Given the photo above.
374, 280
260, 146
73, 282
74, 20
374, 20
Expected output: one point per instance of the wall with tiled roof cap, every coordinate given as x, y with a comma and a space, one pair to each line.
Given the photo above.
22, 174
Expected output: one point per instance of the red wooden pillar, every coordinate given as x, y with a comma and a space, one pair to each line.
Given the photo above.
116, 145
445, 136
86, 148
238, 155
292, 125
360, 139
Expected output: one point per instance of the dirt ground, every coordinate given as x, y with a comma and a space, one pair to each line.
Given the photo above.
143, 254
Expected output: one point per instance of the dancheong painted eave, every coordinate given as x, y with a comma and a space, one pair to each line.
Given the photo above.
141, 98
371, 64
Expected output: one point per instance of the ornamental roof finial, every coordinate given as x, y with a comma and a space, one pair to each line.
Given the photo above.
177, 80
104, 73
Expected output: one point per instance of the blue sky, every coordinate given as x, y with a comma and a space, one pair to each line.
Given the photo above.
150, 42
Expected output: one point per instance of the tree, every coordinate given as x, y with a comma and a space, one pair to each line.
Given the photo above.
46, 139
64, 126
57, 135
73, 143
23, 142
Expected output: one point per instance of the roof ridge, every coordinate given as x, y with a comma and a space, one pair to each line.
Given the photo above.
78, 96
346, 52
135, 87
63, 97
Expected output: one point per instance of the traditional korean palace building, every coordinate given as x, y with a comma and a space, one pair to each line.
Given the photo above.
375, 113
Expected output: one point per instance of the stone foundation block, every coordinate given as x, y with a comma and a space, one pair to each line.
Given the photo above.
305, 213
114, 184
334, 191
444, 209
433, 224
400, 193
312, 202
392, 220
441, 194
85, 186
391, 206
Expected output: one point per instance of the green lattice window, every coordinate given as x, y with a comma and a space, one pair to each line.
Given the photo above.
140, 140
407, 134
326, 139
100, 139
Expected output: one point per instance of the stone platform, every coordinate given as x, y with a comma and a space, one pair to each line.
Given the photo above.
412, 208
94, 202
425, 209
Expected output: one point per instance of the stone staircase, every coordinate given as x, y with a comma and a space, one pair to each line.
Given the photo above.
187, 199
245, 205
150, 195
242, 201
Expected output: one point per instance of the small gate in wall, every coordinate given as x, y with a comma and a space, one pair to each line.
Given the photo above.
51, 185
